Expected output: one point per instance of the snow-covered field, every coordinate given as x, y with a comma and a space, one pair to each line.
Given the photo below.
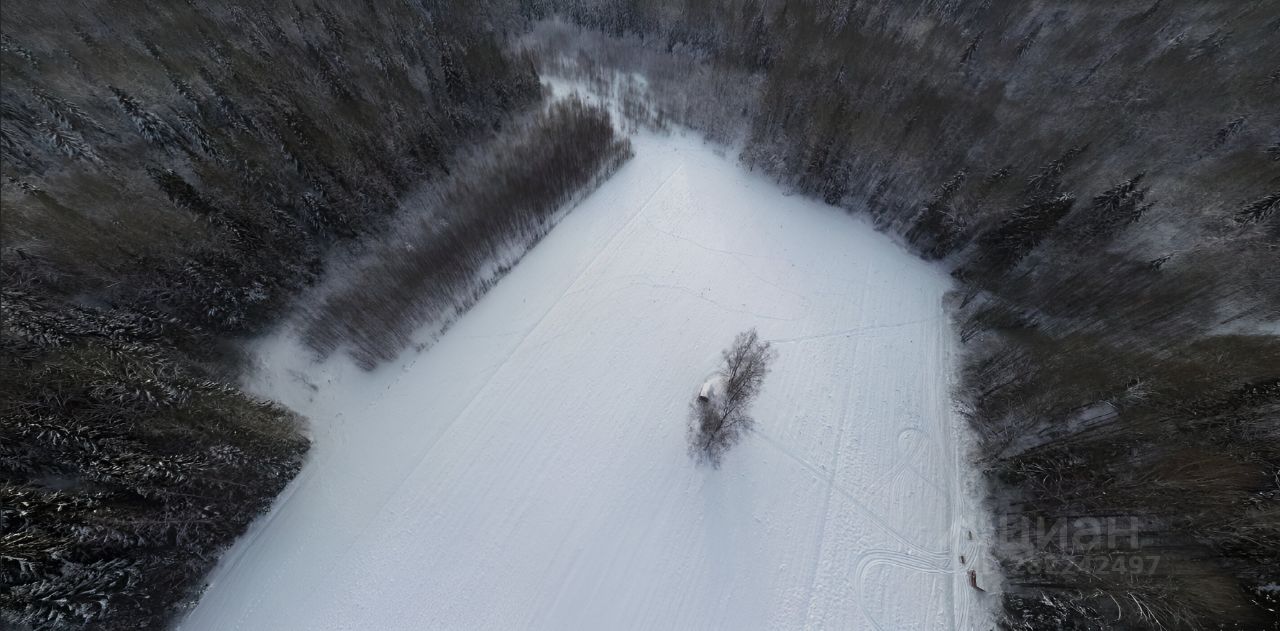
530, 471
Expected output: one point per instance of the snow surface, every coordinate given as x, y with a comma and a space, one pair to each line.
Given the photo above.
529, 470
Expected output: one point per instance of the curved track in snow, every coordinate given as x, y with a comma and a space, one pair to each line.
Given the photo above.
529, 470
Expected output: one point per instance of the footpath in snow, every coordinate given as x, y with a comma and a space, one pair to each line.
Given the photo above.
530, 469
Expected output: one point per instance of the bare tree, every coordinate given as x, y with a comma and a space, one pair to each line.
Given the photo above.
719, 417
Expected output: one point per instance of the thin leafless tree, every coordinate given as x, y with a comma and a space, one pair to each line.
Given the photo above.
721, 420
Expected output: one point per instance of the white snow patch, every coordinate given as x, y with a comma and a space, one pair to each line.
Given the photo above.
530, 469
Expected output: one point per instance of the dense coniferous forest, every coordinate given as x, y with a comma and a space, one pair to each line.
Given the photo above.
1101, 178
174, 175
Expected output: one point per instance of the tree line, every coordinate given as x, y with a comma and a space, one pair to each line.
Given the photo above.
465, 235
173, 176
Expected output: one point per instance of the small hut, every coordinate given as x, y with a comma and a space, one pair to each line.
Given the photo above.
708, 390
